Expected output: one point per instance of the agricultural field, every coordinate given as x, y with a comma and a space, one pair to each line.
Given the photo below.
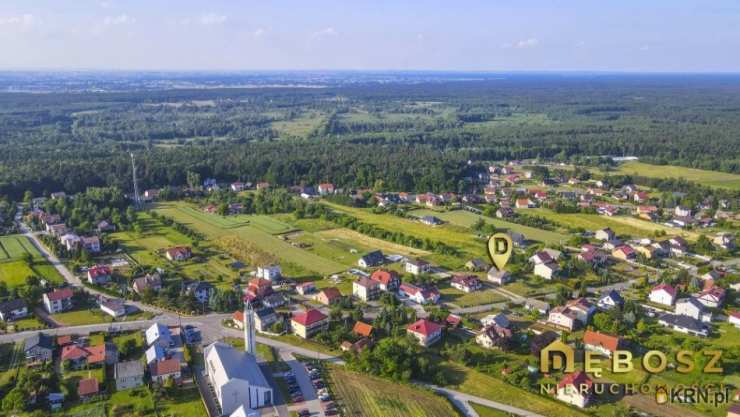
363, 395
709, 178
622, 225
355, 240
300, 126
464, 218
255, 236
13, 267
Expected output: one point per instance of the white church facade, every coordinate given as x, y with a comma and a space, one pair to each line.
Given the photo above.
236, 376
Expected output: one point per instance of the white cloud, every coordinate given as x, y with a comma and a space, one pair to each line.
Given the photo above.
118, 20
523, 44
259, 32
645, 47
209, 19
329, 31
21, 20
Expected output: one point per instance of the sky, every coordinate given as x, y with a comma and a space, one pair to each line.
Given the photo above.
466, 35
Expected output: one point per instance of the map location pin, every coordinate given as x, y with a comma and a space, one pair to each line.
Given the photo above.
499, 249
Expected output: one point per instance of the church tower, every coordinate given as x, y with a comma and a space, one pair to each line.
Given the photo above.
249, 329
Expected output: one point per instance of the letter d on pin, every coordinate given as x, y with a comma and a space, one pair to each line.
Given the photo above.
499, 249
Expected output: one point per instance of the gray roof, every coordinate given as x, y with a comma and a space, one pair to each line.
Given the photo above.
11, 305
41, 340
239, 365
264, 312
684, 321
128, 369
374, 257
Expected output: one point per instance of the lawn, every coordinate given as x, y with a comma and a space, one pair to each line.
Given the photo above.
184, 402
708, 178
462, 299
14, 273
83, 317
136, 336
364, 395
466, 219
13, 248
484, 411
29, 323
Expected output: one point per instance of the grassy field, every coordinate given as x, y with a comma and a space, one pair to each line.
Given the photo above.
708, 178
478, 384
466, 219
300, 126
208, 263
622, 225
83, 317
457, 236
349, 239
462, 299
484, 411
363, 395
14, 273
254, 235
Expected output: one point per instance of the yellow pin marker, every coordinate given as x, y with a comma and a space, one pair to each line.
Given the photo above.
499, 249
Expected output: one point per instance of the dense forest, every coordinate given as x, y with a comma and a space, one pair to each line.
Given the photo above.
401, 136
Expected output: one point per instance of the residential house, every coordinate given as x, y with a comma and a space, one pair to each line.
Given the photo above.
163, 370
418, 294
724, 241
425, 331
592, 257
329, 296
734, 318
476, 265
237, 186
90, 243
88, 388
99, 274
362, 329
431, 220
523, 203
326, 188
417, 266
305, 288
151, 194
610, 300
57, 229
691, 307
466, 283
575, 389
563, 317
105, 226
713, 297
387, 280
374, 258
494, 337
663, 294
114, 307
201, 290
259, 287
684, 324
648, 251
640, 197
80, 356
58, 300
624, 252
160, 334
308, 323
539, 306
498, 277
178, 253
504, 213
366, 289
70, 241
264, 318
499, 320
678, 246
59, 195
13, 309
602, 343
605, 234
547, 271
262, 185
38, 347
129, 374
149, 282
682, 211
583, 309
273, 300
155, 353
270, 272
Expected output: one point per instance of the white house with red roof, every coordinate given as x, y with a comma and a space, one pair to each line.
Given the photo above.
663, 294
178, 253
387, 280
58, 300
326, 188
308, 323
98, 274
575, 389
417, 294
734, 318
602, 343
624, 252
522, 203
712, 297
425, 331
